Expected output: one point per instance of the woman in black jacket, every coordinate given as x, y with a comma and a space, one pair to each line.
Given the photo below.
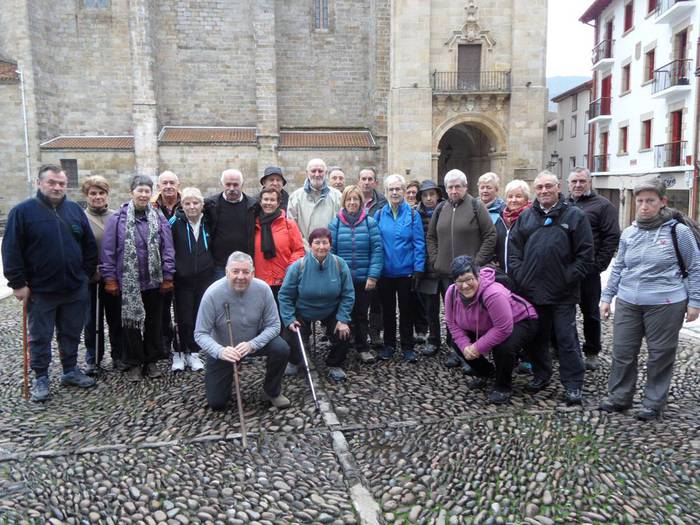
195, 272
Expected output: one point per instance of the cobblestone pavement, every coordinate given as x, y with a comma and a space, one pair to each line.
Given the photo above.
396, 443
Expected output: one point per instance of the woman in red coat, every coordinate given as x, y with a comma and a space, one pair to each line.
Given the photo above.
277, 240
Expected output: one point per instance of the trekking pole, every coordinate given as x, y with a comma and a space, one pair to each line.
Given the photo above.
175, 329
236, 380
25, 350
306, 365
98, 357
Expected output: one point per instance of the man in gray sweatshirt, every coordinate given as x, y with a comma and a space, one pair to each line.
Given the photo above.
256, 327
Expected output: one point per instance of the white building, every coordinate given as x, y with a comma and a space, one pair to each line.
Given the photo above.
643, 109
571, 143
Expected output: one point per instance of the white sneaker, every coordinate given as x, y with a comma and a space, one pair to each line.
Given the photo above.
194, 362
178, 362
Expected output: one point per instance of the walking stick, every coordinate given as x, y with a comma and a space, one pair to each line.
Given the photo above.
306, 365
98, 357
175, 329
236, 380
25, 350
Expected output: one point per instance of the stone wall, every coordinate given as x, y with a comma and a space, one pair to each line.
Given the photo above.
14, 174
294, 163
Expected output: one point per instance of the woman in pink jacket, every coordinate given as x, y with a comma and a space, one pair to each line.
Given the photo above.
485, 317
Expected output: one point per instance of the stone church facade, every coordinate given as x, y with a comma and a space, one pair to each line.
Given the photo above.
118, 87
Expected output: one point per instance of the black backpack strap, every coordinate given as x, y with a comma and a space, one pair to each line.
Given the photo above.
681, 262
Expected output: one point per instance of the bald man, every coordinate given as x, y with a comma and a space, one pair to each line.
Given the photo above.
168, 198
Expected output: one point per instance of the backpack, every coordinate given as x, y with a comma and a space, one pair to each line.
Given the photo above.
695, 230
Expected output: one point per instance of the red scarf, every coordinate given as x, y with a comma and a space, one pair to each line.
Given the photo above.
509, 217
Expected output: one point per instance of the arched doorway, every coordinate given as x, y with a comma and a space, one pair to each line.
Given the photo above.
466, 148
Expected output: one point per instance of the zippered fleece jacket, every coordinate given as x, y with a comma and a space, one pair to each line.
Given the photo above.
51, 250
488, 319
311, 210
402, 240
646, 271
253, 317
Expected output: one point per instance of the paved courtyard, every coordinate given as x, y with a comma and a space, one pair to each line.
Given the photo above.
396, 443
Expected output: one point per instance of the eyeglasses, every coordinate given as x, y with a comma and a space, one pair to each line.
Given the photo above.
465, 281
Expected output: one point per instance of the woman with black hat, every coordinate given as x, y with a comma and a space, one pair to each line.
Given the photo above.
274, 178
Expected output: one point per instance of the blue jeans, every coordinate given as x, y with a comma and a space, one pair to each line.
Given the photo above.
66, 312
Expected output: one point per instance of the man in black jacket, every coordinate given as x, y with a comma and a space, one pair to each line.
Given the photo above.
231, 219
549, 254
606, 235
49, 253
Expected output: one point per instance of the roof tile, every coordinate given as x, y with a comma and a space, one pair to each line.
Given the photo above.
207, 135
8, 71
125, 143
327, 139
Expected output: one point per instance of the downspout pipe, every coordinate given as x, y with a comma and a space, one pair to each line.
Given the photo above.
693, 212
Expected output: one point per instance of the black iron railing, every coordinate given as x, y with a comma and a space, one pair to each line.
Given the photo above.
599, 107
670, 154
601, 163
664, 5
676, 73
471, 81
602, 50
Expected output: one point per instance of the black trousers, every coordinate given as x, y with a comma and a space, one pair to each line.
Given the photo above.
218, 377
375, 316
391, 288
360, 320
110, 309
559, 320
589, 304
339, 347
443, 285
144, 348
505, 355
420, 319
188, 295
431, 304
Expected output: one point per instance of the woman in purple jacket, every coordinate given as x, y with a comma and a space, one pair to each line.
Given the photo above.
138, 265
484, 317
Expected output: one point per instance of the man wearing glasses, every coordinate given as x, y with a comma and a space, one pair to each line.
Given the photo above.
315, 204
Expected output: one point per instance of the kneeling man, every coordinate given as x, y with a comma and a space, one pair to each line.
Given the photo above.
256, 327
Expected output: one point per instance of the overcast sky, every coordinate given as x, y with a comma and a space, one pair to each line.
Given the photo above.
569, 41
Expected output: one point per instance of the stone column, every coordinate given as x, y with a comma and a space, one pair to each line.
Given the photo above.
144, 112
410, 100
528, 99
265, 82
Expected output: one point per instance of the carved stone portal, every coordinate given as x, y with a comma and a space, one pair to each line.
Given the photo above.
470, 31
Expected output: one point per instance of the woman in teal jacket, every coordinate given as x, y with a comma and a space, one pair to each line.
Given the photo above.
357, 240
404, 261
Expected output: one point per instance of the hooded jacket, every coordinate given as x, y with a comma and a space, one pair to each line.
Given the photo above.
310, 212
360, 245
495, 209
488, 319
192, 256
550, 253
605, 227
288, 248
402, 241
112, 260
51, 250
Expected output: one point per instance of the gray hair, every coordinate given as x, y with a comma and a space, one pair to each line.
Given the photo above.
578, 170
168, 172
191, 192
490, 178
455, 175
240, 257
395, 178
316, 161
140, 180
518, 184
547, 173
231, 171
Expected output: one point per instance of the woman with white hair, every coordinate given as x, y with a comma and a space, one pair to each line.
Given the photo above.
517, 201
489, 184
195, 272
403, 243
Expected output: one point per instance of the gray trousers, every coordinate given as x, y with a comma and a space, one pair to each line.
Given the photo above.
660, 325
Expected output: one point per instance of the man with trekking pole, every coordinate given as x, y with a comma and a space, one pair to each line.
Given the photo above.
49, 254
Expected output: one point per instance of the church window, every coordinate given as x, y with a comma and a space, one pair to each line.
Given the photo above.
321, 16
96, 4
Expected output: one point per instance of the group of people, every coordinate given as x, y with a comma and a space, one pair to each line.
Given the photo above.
172, 271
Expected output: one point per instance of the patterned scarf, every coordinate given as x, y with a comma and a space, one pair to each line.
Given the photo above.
133, 312
509, 217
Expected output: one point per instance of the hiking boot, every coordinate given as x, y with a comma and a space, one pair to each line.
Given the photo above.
573, 397
524, 367
386, 353
608, 406
119, 365
592, 362
367, 357
410, 356
178, 362
453, 360
279, 401
467, 370
151, 370
536, 385
76, 378
499, 397
647, 414
40, 389
134, 374
420, 337
91, 369
291, 369
336, 373
429, 350
194, 362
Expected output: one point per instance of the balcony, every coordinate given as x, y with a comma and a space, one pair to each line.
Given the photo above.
471, 82
599, 110
601, 163
671, 11
670, 155
672, 79
602, 55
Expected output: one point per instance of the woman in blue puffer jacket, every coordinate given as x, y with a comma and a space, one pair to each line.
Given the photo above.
357, 240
